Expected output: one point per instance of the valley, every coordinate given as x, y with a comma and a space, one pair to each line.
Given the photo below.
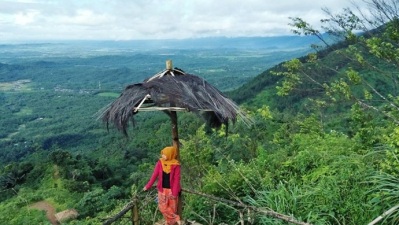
52, 91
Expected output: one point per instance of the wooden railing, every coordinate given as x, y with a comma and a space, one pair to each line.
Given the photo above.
132, 207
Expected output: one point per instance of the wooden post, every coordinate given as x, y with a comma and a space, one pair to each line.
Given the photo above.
173, 118
175, 141
175, 133
169, 64
135, 212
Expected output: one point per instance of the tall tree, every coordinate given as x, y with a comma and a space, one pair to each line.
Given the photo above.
364, 72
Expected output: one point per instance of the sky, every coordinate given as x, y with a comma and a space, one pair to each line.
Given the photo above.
30, 20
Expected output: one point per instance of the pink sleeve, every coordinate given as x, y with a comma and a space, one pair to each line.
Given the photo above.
154, 176
176, 182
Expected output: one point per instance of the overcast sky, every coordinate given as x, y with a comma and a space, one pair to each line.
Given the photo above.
22, 20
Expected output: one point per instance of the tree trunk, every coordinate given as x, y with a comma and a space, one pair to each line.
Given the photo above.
175, 140
175, 133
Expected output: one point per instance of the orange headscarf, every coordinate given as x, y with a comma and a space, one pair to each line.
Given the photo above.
171, 154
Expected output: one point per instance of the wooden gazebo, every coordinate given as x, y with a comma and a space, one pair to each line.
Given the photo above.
172, 90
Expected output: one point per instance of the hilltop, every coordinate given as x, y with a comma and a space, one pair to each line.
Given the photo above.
311, 152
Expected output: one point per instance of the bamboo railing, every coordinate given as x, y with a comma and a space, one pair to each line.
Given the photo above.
133, 207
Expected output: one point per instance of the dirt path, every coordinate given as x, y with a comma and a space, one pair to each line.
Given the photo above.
50, 210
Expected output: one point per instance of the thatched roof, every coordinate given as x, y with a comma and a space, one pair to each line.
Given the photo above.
171, 90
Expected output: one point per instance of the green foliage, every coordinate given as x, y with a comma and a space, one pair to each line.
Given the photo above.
317, 177
366, 129
98, 200
390, 164
13, 175
321, 179
312, 151
385, 195
375, 50
291, 77
61, 158
197, 151
21, 215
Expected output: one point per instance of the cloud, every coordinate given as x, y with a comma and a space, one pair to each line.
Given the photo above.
25, 18
154, 19
84, 17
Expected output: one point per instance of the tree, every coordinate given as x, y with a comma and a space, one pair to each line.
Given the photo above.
366, 78
363, 73
60, 157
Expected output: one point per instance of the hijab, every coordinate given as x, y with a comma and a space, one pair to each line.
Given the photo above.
171, 154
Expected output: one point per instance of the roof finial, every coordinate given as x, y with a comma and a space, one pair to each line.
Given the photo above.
169, 64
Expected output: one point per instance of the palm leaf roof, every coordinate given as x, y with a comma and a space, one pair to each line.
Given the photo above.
172, 90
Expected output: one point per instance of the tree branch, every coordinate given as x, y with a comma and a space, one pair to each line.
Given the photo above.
259, 210
386, 213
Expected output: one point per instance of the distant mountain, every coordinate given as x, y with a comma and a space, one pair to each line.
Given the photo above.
66, 46
278, 42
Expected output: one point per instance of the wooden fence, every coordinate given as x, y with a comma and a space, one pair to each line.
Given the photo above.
133, 207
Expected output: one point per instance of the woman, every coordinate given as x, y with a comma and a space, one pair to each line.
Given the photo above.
167, 170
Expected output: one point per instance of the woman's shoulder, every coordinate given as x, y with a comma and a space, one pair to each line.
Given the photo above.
158, 163
175, 166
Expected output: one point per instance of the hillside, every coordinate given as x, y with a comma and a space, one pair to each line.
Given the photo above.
332, 66
321, 148
50, 89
